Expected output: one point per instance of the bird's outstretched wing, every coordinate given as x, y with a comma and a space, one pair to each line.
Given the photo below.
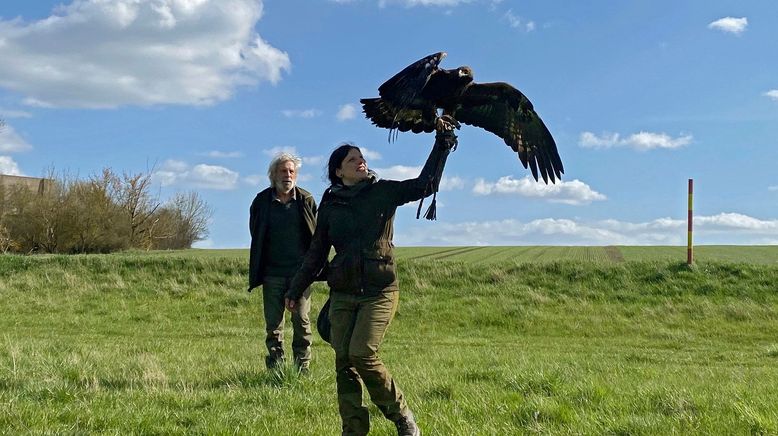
404, 86
384, 114
505, 111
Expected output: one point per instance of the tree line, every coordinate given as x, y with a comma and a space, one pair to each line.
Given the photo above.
104, 213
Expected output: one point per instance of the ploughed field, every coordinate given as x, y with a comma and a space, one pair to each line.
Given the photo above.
487, 340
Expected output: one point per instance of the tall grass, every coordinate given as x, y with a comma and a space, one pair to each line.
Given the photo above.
173, 344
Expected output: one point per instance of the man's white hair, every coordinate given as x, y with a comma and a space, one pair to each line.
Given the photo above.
279, 159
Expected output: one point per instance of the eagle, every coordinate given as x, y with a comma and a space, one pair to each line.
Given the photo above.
410, 101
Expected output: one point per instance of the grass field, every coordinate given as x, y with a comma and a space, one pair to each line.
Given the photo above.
759, 254
492, 341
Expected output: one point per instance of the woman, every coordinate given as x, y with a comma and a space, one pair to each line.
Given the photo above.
356, 216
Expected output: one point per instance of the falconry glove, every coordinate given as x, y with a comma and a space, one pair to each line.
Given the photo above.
445, 143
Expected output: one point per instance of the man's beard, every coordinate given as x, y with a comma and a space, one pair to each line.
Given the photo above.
282, 186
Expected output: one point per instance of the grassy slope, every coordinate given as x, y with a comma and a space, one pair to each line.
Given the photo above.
760, 254
173, 344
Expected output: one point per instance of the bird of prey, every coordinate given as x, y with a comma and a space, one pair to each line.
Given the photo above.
410, 101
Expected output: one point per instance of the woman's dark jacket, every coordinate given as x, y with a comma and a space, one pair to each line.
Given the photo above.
359, 222
258, 224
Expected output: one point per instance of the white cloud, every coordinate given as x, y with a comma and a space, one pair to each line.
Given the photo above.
412, 3
590, 140
546, 231
725, 228
402, 172
261, 181
397, 172
574, 192
641, 141
103, 54
213, 177
223, 154
452, 183
725, 222
370, 154
11, 142
517, 22
730, 25
12, 113
256, 179
9, 167
313, 160
280, 149
648, 141
301, 113
217, 177
307, 160
772, 188
346, 112
773, 94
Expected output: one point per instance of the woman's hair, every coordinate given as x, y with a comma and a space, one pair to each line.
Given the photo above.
278, 160
336, 160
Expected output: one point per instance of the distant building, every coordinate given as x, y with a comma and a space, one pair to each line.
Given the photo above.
34, 183
8, 182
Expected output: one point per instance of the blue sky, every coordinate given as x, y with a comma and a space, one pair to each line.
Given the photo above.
640, 96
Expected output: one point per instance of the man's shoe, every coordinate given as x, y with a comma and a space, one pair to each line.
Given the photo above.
406, 426
273, 363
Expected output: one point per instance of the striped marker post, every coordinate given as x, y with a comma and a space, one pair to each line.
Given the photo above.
689, 248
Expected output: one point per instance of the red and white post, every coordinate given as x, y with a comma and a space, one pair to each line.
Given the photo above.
689, 247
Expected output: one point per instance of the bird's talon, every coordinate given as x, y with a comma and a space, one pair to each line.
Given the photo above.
446, 123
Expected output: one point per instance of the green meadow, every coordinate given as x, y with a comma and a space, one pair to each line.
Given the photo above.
759, 254
487, 341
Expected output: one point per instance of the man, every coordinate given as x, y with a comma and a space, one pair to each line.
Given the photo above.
282, 220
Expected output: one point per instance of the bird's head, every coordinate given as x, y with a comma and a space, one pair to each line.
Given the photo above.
465, 73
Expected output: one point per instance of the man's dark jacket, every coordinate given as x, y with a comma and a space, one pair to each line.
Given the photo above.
259, 216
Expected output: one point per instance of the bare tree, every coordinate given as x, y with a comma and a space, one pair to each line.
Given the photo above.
6, 242
181, 222
51, 211
32, 219
102, 214
138, 204
194, 213
95, 222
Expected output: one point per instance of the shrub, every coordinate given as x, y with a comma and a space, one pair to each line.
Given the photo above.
101, 214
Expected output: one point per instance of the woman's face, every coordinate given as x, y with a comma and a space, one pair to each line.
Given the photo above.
353, 169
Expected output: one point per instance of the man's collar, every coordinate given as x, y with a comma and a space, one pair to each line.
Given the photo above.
274, 194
